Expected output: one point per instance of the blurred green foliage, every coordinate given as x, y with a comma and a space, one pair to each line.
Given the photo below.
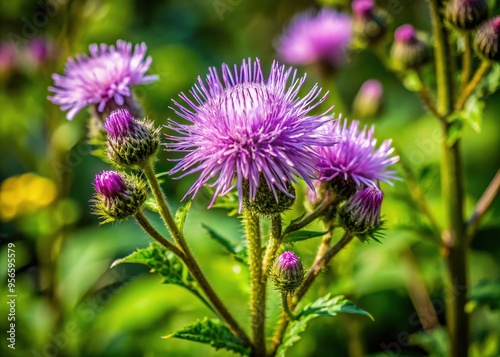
71, 304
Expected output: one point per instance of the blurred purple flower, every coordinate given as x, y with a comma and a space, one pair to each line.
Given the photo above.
368, 100
106, 75
355, 157
7, 57
323, 37
245, 127
39, 50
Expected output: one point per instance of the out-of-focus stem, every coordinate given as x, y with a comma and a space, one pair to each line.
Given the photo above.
482, 206
466, 59
469, 89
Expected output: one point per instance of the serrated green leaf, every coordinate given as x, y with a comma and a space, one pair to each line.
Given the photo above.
228, 202
214, 333
298, 236
165, 263
181, 215
324, 306
238, 251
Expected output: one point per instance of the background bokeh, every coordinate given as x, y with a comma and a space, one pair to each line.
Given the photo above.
71, 304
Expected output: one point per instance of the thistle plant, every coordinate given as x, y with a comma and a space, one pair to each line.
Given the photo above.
261, 141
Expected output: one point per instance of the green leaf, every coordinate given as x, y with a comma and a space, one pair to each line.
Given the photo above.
228, 202
434, 341
150, 204
298, 236
238, 251
456, 130
325, 306
473, 113
487, 293
165, 263
214, 333
181, 215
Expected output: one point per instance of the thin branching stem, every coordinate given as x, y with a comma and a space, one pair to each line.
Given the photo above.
469, 89
483, 205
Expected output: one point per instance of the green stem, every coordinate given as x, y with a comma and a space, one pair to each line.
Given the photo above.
258, 291
286, 308
328, 201
153, 233
317, 267
426, 97
189, 260
467, 60
482, 206
452, 187
275, 240
469, 89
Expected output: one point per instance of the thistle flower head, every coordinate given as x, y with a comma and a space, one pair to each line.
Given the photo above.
368, 100
466, 14
487, 39
360, 215
408, 50
103, 79
356, 160
247, 131
118, 195
130, 142
287, 272
312, 38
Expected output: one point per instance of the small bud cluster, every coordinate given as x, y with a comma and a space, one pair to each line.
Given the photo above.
466, 14
369, 22
487, 39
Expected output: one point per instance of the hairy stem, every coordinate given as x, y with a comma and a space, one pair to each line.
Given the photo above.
317, 267
258, 291
318, 212
457, 320
275, 241
482, 206
466, 60
469, 89
286, 307
153, 233
189, 260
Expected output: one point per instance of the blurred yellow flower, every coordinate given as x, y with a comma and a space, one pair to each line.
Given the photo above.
24, 194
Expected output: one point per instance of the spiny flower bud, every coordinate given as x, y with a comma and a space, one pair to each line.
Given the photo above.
360, 215
369, 23
466, 14
118, 195
367, 103
266, 202
487, 39
408, 50
130, 142
287, 272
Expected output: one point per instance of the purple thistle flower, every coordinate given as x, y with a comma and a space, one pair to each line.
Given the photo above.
323, 37
355, 158
109, 184
105, 76
244, 128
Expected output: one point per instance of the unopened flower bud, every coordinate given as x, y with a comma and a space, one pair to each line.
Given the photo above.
266, 202
118, 195
408, 50
368, 101
466, 14
369, 23
287, 272
360, 215
487, 39
130, 142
